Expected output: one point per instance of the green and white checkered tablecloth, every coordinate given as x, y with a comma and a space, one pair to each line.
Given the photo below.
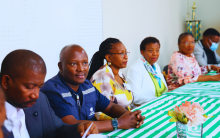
157, 123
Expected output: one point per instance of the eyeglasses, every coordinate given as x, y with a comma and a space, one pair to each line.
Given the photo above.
189, 43
122, 54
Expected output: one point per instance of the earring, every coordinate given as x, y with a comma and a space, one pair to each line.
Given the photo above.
109, 63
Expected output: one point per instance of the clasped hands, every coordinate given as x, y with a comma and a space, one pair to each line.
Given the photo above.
126, 121
131, 120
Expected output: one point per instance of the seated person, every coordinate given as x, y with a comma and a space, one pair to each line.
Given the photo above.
144, 75
107, 78
75, 99
22, 75
2, 112
205, 49
183, 67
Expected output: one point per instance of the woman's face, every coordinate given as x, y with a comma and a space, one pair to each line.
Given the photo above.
151, 52
186, 45
118, 56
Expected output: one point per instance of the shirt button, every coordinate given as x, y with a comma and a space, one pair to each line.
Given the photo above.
35, 114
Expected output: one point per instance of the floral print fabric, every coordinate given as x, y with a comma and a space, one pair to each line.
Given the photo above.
104, 81
183, 70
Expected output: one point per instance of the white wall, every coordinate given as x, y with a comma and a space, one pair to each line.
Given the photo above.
133, 20
208, 11
46, 26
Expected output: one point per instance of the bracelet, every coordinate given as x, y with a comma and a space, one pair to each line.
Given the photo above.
209, 67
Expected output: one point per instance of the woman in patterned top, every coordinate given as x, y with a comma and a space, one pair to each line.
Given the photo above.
107, 78
183, 67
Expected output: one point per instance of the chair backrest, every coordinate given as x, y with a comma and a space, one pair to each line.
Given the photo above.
165, 72
166, 69
165, 75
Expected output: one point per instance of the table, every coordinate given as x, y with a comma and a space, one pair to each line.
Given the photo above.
156, 123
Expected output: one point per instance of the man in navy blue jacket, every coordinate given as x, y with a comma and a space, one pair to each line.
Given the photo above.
22, 76
75, 99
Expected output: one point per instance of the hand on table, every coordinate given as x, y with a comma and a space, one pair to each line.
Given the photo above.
216, 77
131, 120
215, 68
84, 125
140, 119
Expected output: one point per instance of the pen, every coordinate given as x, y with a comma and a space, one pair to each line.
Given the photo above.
87, 130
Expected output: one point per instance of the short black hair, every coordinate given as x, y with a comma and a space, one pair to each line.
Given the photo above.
211, 31
17, 62
183, 35
148, 40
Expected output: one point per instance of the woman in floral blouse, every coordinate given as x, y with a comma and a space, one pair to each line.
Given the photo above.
107, 78
183, 67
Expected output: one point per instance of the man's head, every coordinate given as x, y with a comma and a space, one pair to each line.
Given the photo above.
22, 74
210, 36
73, 64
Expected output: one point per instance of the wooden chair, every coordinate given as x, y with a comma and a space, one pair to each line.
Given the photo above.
165, 72
165, 75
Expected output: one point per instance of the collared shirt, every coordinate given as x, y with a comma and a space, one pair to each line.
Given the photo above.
78, 92
210, 55
17, 116
105, 82
62, 108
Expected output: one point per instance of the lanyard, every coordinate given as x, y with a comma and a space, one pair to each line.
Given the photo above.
78, 103
77, 100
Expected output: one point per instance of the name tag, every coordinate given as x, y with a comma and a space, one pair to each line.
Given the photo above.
127, 86
68, 94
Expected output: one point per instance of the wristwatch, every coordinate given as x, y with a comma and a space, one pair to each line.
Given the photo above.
115, 123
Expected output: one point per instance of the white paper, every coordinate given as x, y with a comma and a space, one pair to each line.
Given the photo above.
97, 136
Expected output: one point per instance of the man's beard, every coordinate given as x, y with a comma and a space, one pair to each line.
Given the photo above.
21, 105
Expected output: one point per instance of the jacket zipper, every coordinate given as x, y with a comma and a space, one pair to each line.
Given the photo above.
79, 106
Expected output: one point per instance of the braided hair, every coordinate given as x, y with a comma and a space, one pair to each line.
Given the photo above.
98, 58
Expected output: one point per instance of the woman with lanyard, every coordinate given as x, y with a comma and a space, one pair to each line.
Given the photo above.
144, 75
107, 78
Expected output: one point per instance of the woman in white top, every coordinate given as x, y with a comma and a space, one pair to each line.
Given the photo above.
144, 75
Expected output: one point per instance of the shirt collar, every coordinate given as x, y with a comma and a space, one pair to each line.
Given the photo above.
110, 70
10, 109
205, 48
176, 52
79, 90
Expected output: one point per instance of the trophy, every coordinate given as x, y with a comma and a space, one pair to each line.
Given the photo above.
194, 11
